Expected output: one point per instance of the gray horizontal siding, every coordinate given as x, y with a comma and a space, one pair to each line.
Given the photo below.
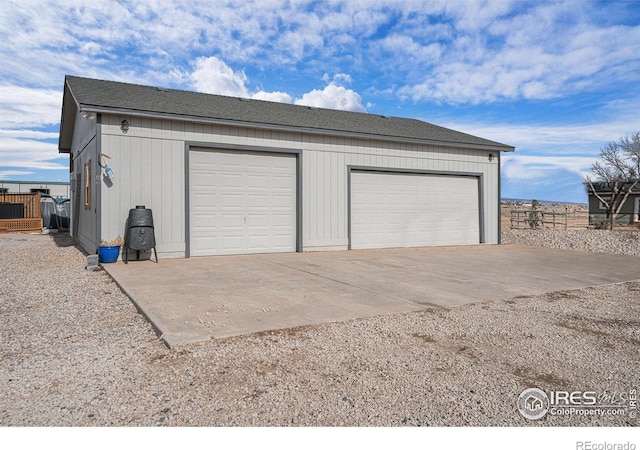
149, 165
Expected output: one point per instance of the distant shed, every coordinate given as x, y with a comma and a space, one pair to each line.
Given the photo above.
52, 188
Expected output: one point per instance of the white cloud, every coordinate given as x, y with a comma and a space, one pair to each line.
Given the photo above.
537, 136
527, 167
9, 174
476, 51
277, 96
31, 134
299, 42
213, 76
40, 42
542, 150
340, 78
27, 153
413, 51
334, 95
108, 39
537, 54
477, 15
21, 147
28, 107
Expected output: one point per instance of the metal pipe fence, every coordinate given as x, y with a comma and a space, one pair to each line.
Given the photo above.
538, 218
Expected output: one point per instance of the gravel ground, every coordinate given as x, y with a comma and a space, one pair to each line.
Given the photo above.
75, 352
600, 241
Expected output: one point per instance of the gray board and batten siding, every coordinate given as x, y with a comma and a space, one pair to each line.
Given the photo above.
155, 166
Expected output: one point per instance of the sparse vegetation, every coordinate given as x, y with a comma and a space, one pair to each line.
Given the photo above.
534, 214
117, 242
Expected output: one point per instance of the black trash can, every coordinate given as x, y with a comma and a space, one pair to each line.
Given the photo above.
140, 233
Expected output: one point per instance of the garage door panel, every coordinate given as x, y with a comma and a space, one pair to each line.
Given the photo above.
231, 222
258, 221
229, 201
203, 199
280, 182
280, 201
204, 221
203, 180
210, 241
258, 200
280, 242
225, 165
246, 200
228, 181
282, 221
258, 182
231, 244
406, 210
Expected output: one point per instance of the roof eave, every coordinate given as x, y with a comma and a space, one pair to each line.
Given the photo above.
67, 119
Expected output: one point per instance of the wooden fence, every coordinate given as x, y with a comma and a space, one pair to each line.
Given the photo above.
32, 212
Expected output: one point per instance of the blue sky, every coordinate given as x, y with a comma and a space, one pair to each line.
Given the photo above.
556, 79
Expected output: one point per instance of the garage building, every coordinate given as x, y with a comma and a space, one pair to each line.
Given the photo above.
226, 175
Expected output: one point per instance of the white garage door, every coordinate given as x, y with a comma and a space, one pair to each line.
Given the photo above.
413, 210
241, 203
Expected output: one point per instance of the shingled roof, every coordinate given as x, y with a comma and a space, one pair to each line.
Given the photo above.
87, 94
602, 187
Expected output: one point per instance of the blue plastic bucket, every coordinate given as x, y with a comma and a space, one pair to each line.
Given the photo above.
108, 254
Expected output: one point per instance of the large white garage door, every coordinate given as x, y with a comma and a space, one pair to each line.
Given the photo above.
241, 203
413, 210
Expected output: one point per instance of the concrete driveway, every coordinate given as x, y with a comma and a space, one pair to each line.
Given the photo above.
189, 300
